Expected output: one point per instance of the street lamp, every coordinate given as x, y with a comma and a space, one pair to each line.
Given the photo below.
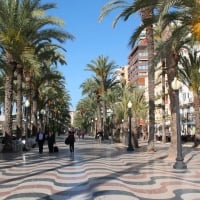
130, 146
27, 104
121, 130
110, 117
43, 112
179, 164
96, 127
122, 126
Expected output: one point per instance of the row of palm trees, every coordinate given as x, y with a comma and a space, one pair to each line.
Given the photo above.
105, 99
178, 25
31, 48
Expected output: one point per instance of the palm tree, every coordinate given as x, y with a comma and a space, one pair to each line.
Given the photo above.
91, 89
86, 110
103, 69
174, 39
55, 100
19, 37
176, 26
45, 51
47, 81
146, 15
48, 55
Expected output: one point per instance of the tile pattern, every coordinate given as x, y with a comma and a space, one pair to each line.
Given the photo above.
98, 172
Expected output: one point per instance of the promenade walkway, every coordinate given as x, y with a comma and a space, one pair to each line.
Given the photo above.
98, 172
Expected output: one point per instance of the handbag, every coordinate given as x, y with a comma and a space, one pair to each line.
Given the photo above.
67, 141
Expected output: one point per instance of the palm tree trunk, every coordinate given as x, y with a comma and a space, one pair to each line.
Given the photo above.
171, 63
135, 132
34, 112
19, 102
151, 78
105, 130
98, 121
28, 97
8, 112
146, 14
163, 103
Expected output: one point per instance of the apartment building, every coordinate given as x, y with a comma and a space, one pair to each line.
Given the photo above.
186, 111
138, 75
162, 103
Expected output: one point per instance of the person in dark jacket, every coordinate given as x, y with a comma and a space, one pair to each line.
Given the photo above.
71, 136
40, 139
51, 141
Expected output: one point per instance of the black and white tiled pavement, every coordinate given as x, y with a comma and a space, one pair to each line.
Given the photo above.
98, 172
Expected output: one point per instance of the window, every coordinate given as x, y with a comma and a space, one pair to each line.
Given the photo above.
143, 67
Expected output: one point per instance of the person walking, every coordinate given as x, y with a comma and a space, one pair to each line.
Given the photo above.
82, 133
71, 137
100, 136
51, 141
40, 139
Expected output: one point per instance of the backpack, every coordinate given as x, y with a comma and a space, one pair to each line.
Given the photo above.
40, 137
55, 149
67, 141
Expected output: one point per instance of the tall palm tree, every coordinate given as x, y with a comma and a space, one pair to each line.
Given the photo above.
19, 100
146, 16
103, 70
55, 100
90, 88
40, 37
49, 79
86, 110
48, 54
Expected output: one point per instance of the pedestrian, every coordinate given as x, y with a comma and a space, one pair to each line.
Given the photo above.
40, 139
100, 136
51, 141
79, 133
71, 137
82, 133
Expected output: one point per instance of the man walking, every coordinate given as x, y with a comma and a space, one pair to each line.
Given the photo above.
40, 139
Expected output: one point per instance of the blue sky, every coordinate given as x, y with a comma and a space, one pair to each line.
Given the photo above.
92, 39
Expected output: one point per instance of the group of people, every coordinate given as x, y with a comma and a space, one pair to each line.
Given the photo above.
41, 139
50, 137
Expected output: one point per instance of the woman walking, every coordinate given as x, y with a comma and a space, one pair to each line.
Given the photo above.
51, 141
71, 138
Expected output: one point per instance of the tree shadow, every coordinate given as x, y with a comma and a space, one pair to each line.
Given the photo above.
88, 188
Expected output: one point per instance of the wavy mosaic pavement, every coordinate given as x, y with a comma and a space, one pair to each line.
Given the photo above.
97, 172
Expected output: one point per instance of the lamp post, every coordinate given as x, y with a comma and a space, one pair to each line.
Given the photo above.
130, 146
122, 127
92, 126
110, 124
27, 104
43, 112
179, 164
96, 127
